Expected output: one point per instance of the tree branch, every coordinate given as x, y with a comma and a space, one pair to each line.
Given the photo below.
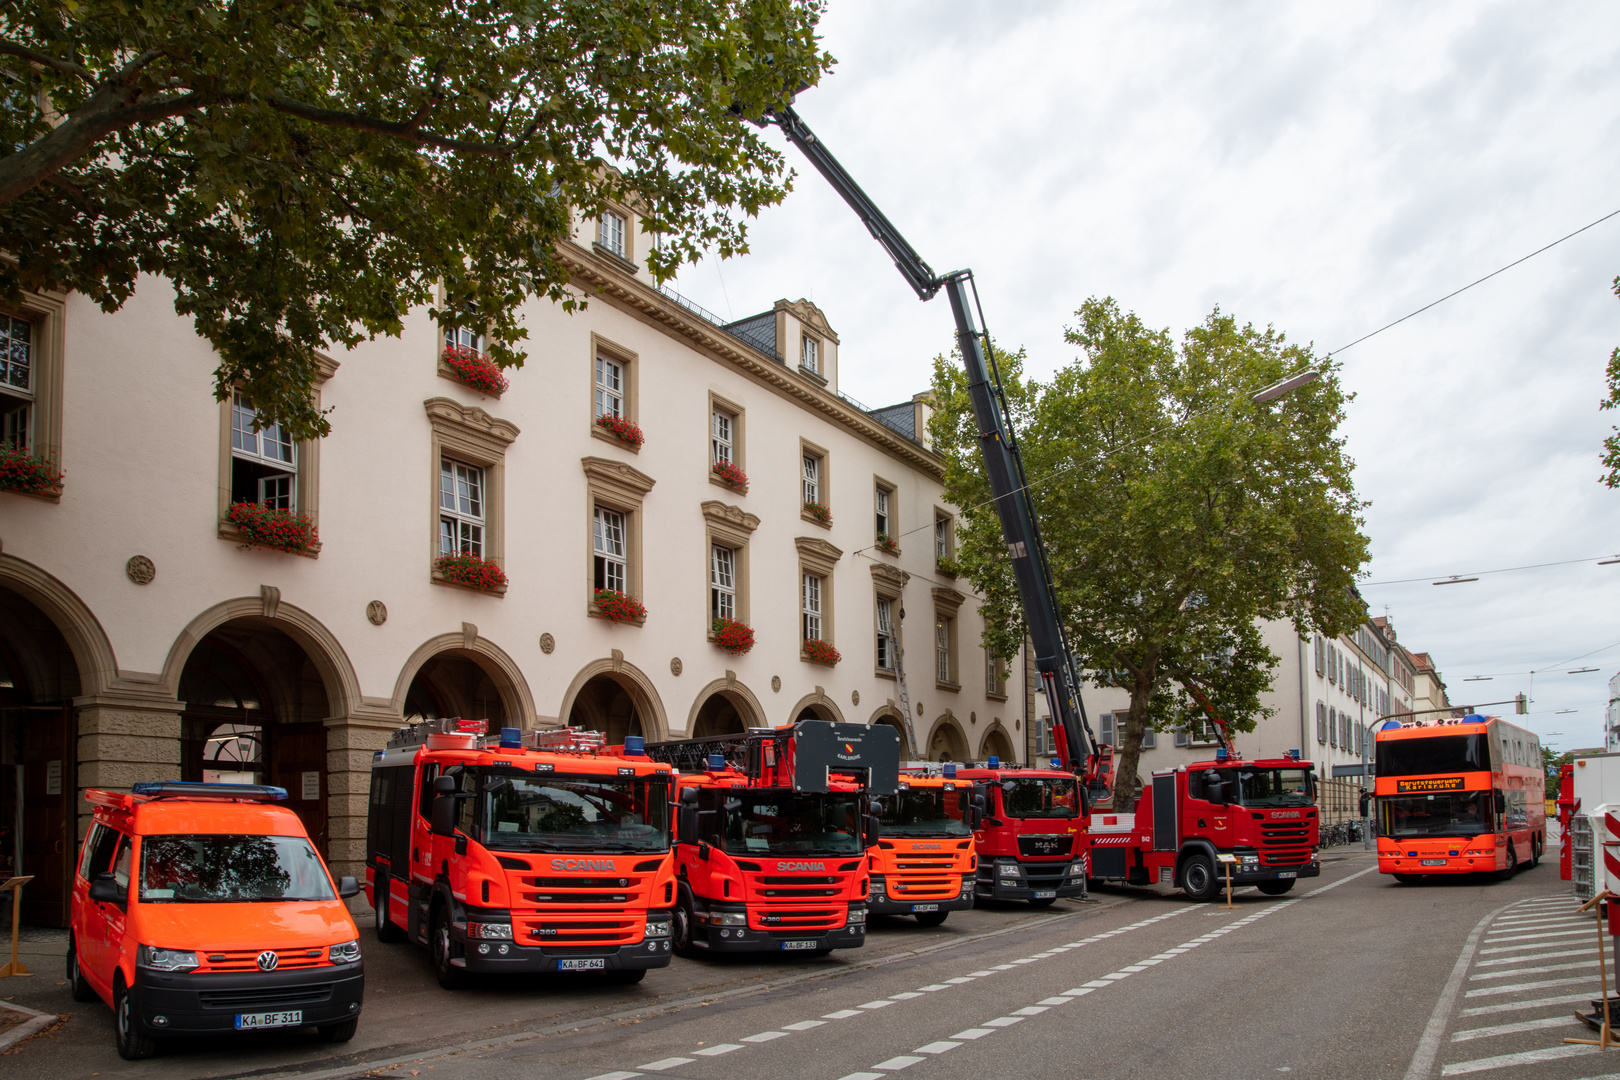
34, 56
393, 129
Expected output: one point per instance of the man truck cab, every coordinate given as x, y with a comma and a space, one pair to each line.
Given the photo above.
200, 909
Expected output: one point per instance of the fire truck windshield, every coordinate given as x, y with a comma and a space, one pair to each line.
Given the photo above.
526, 811
1274, 787
922, 812
1047, 797
1459, 813
772, 824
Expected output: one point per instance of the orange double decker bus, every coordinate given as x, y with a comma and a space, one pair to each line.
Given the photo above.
1459, 796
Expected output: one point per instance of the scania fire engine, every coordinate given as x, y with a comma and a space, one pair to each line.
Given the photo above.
924, 861
527, 852
772, 834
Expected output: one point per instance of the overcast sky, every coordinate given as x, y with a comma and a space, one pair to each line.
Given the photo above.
1322, 168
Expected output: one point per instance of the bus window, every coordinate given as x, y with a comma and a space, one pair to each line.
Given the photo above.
1461, 813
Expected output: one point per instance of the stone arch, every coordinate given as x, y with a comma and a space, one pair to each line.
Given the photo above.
890, 714
319, 644
998, 741
820, 707
947, 741
741, 700
503, 672
86, 640
635, 683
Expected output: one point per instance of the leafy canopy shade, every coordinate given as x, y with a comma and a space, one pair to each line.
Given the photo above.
305, 171
1176, 510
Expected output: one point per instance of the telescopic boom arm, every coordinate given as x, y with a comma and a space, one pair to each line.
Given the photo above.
1078, 749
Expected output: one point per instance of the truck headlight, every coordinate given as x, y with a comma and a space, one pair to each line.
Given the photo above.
149, 956
490, 931
658, 926
729, 918
346, 953
857, 916
1248, 861
878, 885
1007, 869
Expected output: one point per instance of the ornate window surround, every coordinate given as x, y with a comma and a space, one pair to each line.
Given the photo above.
732, 527
818, 557
619, 486
470, 435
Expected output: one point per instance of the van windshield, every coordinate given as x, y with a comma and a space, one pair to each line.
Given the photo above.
224, 869
526, 811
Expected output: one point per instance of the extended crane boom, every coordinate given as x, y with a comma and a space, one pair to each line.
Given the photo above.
1078, 749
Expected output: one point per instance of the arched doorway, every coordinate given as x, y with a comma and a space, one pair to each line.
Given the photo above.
39, 678
947, 742
607, 705
455, 683
892, 718
996, 743
254, 702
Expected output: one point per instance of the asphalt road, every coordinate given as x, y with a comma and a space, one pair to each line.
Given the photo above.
1350, 975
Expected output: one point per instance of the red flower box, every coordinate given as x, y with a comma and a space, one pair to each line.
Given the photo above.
885, 543
617, 607
476, 370
621, 429
821, 513
819, 652
271, 527
734, 637
470, 570
731, 476
27, 473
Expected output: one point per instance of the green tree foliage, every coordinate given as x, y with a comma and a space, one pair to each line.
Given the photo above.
304, 172
1176, 511
1611, 445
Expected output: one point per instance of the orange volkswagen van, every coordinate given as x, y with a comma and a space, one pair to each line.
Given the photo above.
200, 909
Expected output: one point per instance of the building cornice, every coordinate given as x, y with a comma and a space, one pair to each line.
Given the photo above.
595, 273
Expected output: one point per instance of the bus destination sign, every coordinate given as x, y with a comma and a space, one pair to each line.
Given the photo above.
1439, 783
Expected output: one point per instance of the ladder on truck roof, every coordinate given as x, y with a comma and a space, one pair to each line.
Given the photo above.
802, 755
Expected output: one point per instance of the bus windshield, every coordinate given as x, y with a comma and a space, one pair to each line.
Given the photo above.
1027, 797
1457, 813
784, 824
923, 812
1261, 788
1433, 754
527, 811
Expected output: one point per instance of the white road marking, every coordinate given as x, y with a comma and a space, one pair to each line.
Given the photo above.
1515, 988
930, 989
1060, 1000
899, 1062
841, 1014
615, 1076
1081, 991
905, 996
1422, 1063
937, 1047
665, 1063
1030, 1010
1531, 959
959, 980
1004, 1021
1521, 948
764, 1036
973, 1033
805, 1025
1509, 1029
717, 1049
982, 974
1528, 1057
862, 1076
1533, 970
1540, 936
1097, 984
877, 1004
1518, 1006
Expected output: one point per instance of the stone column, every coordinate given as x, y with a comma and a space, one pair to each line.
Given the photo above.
125, 736
350, 743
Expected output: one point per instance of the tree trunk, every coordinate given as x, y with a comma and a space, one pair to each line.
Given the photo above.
1128, 751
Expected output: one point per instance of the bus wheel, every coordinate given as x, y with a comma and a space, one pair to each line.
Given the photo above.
931, 918
1275, 888
1198, 879
1512, 863
1535, 851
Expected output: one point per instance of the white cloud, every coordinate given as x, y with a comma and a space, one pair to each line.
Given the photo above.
1324, 168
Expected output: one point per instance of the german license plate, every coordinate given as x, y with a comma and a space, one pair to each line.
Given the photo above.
1434, 862
590, 964
254, 1021
923, 907
791, 946
1046, 894
1288, 873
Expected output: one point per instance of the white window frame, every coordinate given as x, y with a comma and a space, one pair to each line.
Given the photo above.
465, 337
610, 564
19, 432
722, 582
885, 634
810, 354
278, 489
942, 649
942, 536
722, 438
811, 588
811, 474
882, 522
611, 230
463, 507
610, 378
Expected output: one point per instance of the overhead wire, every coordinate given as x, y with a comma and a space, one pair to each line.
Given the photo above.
1477, 573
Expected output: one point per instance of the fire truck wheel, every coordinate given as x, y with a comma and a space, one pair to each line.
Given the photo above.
1198, 879
78, 986
1048, 902
931, 918
681, 932
387, 930
1275, 888
627, 978
450, 976
336, 1033
133, 1042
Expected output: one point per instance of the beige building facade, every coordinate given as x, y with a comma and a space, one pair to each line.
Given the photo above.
141, 640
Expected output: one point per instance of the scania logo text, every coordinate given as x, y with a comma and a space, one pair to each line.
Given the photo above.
927, 847
582, 864
800, 866
1286, 814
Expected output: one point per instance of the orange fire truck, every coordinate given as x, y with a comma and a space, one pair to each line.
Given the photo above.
924, 863
538, 852
772, 835
1031, 839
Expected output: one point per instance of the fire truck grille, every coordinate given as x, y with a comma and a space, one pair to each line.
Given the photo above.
579, 882
1032, 846
932, 887
265, 998
584, 931
576, 898
595, 911
1044, 875
797, 893
248, 959
1285, 835
800, 919
946, 865
797, 880
1297, 857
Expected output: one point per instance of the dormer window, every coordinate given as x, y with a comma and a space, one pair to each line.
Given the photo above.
610, 233
810, 354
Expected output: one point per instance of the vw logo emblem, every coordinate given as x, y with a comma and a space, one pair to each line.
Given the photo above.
268, 960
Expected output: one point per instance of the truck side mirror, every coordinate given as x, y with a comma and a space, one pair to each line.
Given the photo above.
871, 832
686, 817
1085, 802
444, 785
106, 890
443, 822
1215, 791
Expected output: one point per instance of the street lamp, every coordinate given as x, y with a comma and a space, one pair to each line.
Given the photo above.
1455, 580
1283, 386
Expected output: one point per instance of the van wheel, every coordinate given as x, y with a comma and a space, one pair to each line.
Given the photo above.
931, 918
388, 931
78, 985
681, 931
133, 1041
336, 1033
442, 948
1275, 888
1198, 879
